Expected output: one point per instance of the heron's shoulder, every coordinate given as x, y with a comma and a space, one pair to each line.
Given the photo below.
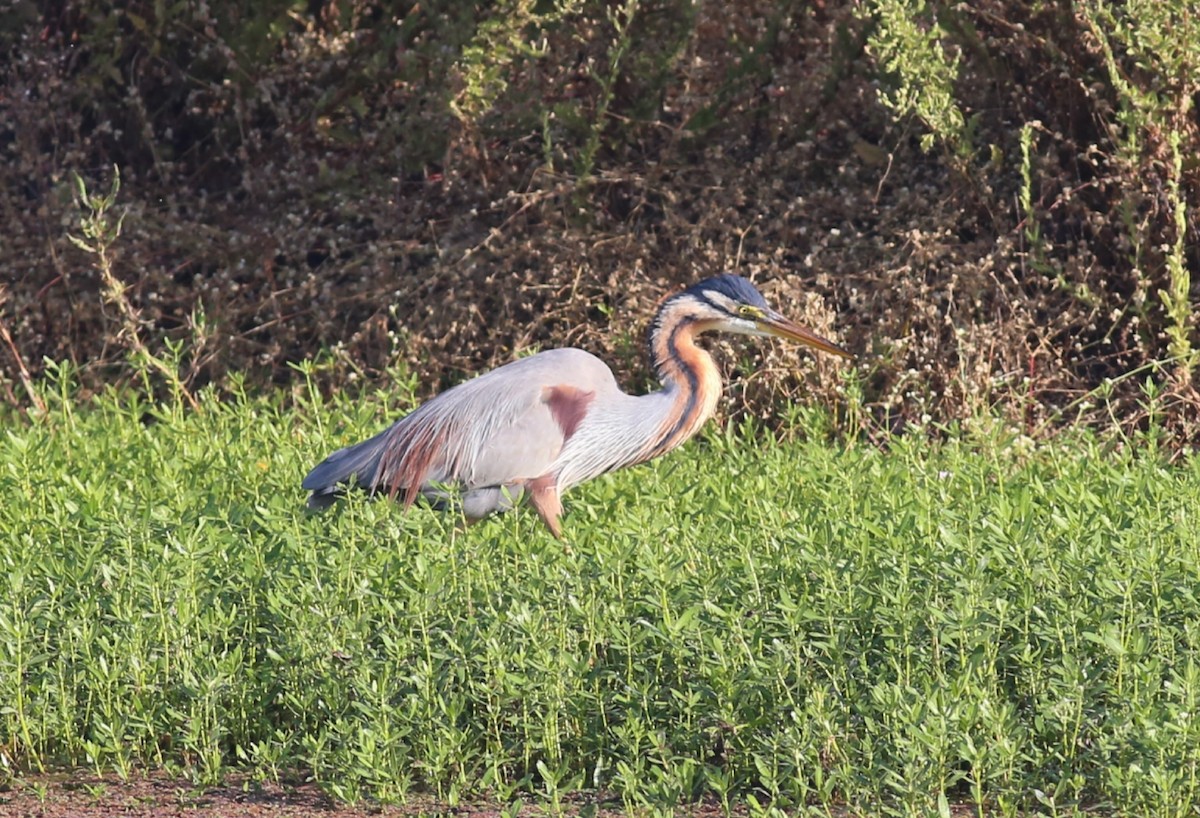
570, 359
569, 355
554, 367
525, 379
564, 361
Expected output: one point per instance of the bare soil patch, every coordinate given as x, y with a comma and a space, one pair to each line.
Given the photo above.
160, 796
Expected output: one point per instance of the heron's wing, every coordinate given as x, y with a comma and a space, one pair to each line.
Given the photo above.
503, 428
358, 463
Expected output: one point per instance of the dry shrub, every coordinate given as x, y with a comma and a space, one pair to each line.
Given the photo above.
315, 181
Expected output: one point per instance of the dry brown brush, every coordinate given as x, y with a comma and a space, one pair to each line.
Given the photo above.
994, 203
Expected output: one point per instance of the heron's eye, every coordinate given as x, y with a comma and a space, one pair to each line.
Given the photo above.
747, 311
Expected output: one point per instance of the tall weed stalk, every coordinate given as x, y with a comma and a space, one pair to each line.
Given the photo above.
100, 222
1155, 98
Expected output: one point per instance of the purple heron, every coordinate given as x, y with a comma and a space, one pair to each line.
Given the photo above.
540, 425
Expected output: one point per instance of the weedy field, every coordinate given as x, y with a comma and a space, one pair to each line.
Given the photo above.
796, 625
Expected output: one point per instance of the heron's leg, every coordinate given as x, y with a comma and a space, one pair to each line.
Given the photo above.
543, 494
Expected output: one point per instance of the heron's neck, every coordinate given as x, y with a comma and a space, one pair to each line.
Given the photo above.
690, 378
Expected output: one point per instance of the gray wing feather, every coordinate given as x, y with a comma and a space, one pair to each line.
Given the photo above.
358, 463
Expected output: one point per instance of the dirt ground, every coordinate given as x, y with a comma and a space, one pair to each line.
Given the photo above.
161, 796
83, 795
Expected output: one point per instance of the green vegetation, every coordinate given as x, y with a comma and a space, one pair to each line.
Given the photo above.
987, 621
779, 624
907, 43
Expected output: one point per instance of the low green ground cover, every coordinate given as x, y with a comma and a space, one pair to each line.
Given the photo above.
785, 624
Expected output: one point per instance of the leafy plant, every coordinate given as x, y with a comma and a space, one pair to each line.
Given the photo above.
100, 233
1156, 84
514, 31
794, 625
907, 42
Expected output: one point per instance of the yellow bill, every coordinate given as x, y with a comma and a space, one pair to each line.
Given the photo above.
780, 327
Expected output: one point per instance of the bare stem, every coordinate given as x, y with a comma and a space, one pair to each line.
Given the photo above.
22, 370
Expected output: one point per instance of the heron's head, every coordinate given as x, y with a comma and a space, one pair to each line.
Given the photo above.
730, 303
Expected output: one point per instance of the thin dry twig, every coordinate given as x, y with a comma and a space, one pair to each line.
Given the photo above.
22, 370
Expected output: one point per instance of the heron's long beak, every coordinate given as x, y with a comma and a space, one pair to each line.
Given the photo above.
775, 324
